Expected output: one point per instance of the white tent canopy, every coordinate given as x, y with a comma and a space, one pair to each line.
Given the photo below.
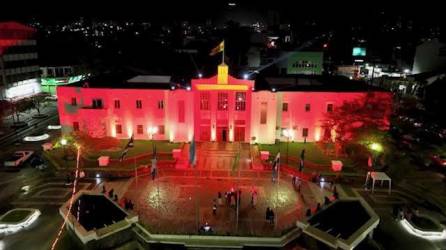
378, 176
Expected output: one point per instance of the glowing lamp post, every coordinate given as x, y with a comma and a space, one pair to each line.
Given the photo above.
152, 131
64, 143
376, 148
287, 134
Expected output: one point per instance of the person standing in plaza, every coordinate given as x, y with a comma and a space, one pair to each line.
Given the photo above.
254, 199
272, 217
268, 214
214, 209
153, 168
219, 199
302, 159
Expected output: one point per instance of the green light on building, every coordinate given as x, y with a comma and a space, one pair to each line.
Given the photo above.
307, 63
49, 84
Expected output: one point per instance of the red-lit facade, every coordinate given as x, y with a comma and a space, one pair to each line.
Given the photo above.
220, 108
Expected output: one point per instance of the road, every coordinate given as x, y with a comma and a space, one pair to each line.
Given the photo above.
36, 126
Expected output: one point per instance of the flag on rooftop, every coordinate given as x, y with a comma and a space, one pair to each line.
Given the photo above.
220, 48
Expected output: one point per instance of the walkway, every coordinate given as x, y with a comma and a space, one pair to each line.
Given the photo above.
178, 201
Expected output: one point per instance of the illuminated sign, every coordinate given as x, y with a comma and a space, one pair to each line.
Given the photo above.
23, 89
61, 80
358, 51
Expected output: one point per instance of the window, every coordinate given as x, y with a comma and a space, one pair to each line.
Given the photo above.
181, 114
330, 107
307, 107
73, 101
263, 114
138, 104
240, 101
160, 104
305, 132
118, 128
97, 103
204, 101
117, 104
75, 126
139, 129
161, 129
285, 107
222, 101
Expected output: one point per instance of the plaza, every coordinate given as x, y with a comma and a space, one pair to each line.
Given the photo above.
179, 201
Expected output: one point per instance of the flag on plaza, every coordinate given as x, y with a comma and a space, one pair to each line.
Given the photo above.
276, 161
124, 153
130, 143
154, 151
220, 48
192, 153
126, 148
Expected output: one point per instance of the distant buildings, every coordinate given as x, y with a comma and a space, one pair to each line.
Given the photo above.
19, 70
429, 56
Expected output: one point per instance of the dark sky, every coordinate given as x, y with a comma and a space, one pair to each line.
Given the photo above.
330, 11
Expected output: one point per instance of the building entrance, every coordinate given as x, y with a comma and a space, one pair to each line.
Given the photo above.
222, 134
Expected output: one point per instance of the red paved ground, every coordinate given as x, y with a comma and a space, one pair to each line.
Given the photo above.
179, 200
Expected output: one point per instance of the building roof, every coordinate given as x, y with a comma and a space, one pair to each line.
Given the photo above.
315, 83
126, 81
304, 83
13, 32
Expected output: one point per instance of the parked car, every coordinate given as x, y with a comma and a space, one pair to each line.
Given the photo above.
18, 158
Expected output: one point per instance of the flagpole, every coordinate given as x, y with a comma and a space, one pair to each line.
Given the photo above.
223, 54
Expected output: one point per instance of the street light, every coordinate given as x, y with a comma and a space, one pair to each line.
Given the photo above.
376, 147
287, 134
152, 131
64, 143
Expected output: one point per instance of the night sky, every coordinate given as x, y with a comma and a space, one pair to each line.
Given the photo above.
331, 12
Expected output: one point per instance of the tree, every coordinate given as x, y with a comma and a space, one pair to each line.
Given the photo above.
357, 118
19, 107
5, 110
37, 101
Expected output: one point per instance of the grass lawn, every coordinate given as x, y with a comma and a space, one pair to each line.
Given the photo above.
15, 216
312, 152
141, 147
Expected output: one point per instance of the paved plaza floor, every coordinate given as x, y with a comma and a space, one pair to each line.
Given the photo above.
179, 201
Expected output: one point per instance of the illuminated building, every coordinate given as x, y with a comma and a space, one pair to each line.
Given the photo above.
53, 76
219, 108
19, 72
